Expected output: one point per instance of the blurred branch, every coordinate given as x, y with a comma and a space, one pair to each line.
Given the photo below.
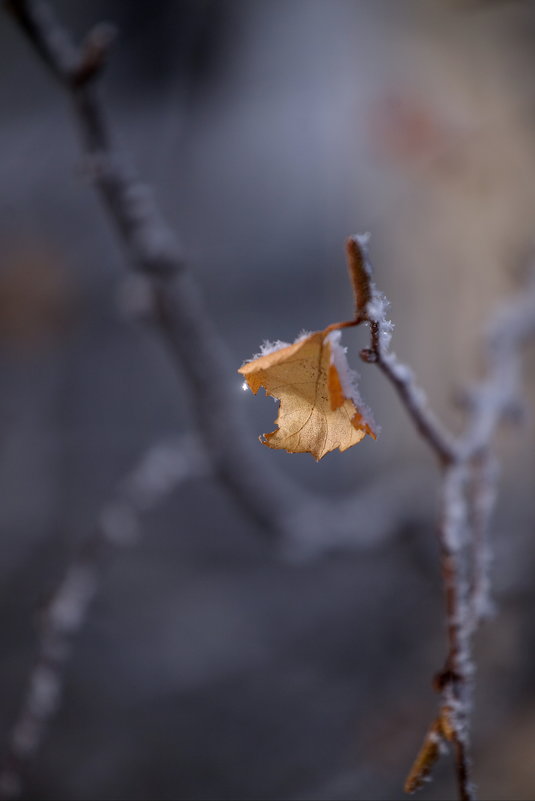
196, 349
178, 309
469, 479
369, 520
483, 498
163, 469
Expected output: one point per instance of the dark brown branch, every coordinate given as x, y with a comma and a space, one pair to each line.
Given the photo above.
359, 273
456, 679
468, 490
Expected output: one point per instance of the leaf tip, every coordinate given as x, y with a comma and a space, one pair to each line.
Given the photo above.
361, 424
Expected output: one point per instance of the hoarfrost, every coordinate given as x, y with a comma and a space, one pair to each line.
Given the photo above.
455, 510
362, 239
378, 307
268, 347
376, 310
349, 378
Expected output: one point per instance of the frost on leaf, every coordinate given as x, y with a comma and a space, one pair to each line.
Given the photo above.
320, 409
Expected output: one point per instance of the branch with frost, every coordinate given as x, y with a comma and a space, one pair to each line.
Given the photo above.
162, 470
372, 307
469, 479
469, 482
455, 679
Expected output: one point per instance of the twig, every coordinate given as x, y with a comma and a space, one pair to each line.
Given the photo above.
483, 491
161, 471
455, 680
497, 397
469, 477
372, 307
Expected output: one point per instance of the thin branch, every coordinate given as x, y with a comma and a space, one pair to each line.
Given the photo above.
455, 681
372, 306
483, 491
497, 397
469, 478
414, 400
162, 470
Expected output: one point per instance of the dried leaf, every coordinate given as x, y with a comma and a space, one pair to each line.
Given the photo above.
319, 408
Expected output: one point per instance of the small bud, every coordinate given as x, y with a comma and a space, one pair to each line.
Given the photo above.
368, 355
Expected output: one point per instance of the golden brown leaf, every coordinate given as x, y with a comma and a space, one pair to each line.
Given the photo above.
318, 411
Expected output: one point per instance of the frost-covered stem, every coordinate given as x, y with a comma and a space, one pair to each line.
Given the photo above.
182, 319
161, 471
494, 399
482, 500
456, 679
497, 396
468, 489
413, 398
452, 540
371, 307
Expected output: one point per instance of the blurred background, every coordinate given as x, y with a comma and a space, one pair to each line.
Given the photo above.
212, 666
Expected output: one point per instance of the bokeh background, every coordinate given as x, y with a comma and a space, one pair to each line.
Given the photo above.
213, 665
